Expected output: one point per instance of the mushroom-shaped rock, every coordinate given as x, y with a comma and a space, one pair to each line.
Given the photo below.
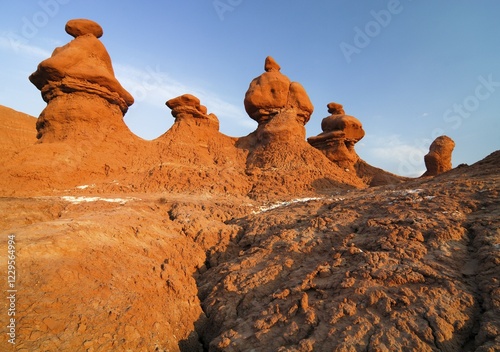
272, 92
79, 27
82, 65
80, 88
351, 126
340, 133
438, 160
188, 106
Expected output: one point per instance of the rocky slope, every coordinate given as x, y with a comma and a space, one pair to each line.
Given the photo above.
17, 133
197, 241
385, 268
413, 268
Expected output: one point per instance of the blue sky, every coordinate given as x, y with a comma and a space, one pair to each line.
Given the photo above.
409, 70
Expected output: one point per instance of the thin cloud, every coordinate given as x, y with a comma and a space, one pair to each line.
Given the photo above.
153, 87
395, 155
9, 41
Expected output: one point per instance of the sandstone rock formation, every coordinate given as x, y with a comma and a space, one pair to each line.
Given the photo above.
193, 154
340, 133
197, 241
438, 160
282, 108
409, 267
83, 138
188, 106
81, 26
80, 88
273, 93
17, 132
385, 269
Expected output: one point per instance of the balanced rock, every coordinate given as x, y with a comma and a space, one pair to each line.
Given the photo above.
79, 27
351, 126
80, 87
438, 160
335, 108
279, 159
188, 106
272, 92
340, 133
271, 65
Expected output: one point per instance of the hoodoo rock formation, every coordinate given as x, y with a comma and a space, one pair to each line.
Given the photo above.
438, 160
83, 137
340, 133
194, 154
81, 91
187, 107
197, 241
282, 108
272, 93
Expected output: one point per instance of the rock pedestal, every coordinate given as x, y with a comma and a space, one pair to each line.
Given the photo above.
187, 108
78, 83
279, 158
280, 107
340, 133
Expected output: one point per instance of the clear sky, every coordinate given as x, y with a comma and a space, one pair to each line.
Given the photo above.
409, 70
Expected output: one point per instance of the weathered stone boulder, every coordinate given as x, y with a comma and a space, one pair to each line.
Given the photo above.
438, 160
80, 26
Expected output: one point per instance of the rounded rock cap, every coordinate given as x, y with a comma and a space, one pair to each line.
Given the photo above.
335, 108
271, 65
81, 26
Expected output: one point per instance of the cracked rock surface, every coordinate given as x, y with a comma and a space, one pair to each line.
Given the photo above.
407, 267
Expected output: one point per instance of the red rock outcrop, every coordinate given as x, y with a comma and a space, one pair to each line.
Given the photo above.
83, 138
188, 106
438, 160
17, 132
272, 93
340, 133
84, 98
280, 159
412, 267
193, 154
384, 269
172, 244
